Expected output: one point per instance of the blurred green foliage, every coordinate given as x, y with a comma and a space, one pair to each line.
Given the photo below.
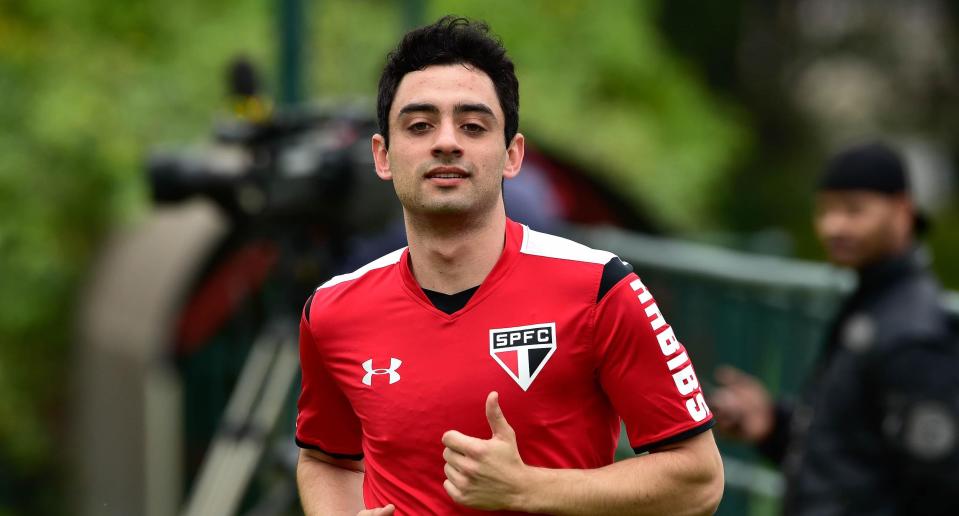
86, 87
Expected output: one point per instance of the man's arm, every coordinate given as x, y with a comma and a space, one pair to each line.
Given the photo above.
330, 486
745, 412
327, 484
681, 478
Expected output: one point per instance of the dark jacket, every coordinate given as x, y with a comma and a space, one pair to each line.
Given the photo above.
876, 431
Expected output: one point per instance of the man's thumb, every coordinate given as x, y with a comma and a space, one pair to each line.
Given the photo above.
494, 415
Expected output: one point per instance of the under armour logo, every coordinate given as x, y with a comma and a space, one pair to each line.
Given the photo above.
395, 364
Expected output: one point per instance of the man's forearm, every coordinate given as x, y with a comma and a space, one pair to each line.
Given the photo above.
328, 489
674, 481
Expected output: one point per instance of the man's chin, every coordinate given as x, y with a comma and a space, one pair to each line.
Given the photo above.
451, 207
846, 260
442, 210
446, 209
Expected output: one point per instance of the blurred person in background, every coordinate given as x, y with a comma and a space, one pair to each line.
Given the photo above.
487, 365
876, 429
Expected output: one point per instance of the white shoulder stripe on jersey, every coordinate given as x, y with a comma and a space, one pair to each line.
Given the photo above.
550, 246
379, 263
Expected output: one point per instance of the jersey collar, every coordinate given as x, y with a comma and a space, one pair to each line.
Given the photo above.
515, 234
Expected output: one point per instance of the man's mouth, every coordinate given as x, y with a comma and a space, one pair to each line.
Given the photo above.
447, 173
840, 244
841, 250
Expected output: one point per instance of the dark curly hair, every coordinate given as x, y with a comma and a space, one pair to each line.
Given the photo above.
451, 40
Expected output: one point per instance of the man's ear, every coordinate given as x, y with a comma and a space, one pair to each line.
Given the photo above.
905, 212
381, 158
514, 156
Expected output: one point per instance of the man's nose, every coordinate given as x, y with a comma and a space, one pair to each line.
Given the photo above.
831, 224
447, 142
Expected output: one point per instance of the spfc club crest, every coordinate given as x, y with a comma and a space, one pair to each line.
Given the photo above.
524, 350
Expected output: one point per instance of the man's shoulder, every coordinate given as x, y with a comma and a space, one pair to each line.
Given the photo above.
546, 245
904, 315
358, 275
355, 283
913, 308
564, 253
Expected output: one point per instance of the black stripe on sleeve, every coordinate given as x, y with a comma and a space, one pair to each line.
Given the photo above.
614, 271
302, 444
309, 303
682, 436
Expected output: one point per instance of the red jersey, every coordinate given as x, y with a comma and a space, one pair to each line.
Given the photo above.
569, 348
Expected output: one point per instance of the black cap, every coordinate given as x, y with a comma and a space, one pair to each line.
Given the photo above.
872, 166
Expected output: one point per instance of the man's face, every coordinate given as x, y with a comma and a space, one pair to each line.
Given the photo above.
446, 153
858, 228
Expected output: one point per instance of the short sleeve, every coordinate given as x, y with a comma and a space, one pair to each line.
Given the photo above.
325, 419
645, 371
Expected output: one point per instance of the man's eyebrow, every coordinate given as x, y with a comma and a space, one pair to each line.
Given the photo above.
473, 108
423, 107
419, 108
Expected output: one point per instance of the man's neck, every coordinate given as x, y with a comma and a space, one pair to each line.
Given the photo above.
895, 251
452, 256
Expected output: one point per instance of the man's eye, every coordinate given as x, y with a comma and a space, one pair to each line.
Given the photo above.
854, 208
419, 127
473, 128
